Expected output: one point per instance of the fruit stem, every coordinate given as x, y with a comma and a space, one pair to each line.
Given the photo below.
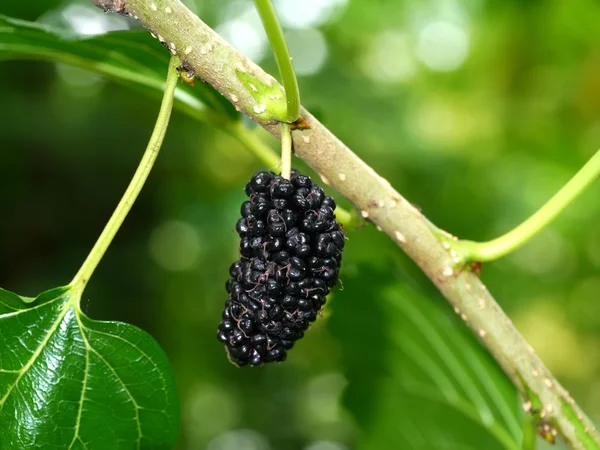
514, 239
282, 55
254, 143
135, 186
286, 150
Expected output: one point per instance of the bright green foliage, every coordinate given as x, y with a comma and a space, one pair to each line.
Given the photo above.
128, 57
418, 379
69, 382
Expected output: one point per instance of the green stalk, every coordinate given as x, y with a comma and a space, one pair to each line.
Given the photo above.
252, 142
514, 239
282, 55
135, 186
529, 432
286, 150
262, 151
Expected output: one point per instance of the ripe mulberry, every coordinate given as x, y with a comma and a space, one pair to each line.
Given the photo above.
290, 254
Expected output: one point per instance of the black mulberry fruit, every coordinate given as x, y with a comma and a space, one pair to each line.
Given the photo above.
290, 253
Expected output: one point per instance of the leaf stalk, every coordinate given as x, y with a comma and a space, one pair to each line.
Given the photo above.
468, 251
282, 55
135, 186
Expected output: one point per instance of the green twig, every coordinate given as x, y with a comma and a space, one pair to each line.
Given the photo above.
135, 186
514, 239
284, 61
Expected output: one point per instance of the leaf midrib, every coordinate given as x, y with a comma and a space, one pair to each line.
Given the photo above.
89, 348
83, 388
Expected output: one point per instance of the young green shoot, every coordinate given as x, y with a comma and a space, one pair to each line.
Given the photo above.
135, 186
282, 55
469, 251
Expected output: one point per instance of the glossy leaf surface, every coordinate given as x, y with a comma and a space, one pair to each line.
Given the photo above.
69, 382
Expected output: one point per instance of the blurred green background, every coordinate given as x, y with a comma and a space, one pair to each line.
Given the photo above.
477, 111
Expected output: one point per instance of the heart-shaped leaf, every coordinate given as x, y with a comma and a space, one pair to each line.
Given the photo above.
418, 379
129, 57
69, 382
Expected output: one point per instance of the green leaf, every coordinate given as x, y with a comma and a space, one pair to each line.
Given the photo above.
418, 379
69, 382
128, 57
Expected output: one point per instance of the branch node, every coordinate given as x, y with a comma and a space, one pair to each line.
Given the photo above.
117, 6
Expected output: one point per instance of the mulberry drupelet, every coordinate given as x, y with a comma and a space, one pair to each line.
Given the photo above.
290, 254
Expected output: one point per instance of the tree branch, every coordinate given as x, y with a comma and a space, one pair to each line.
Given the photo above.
216, 62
